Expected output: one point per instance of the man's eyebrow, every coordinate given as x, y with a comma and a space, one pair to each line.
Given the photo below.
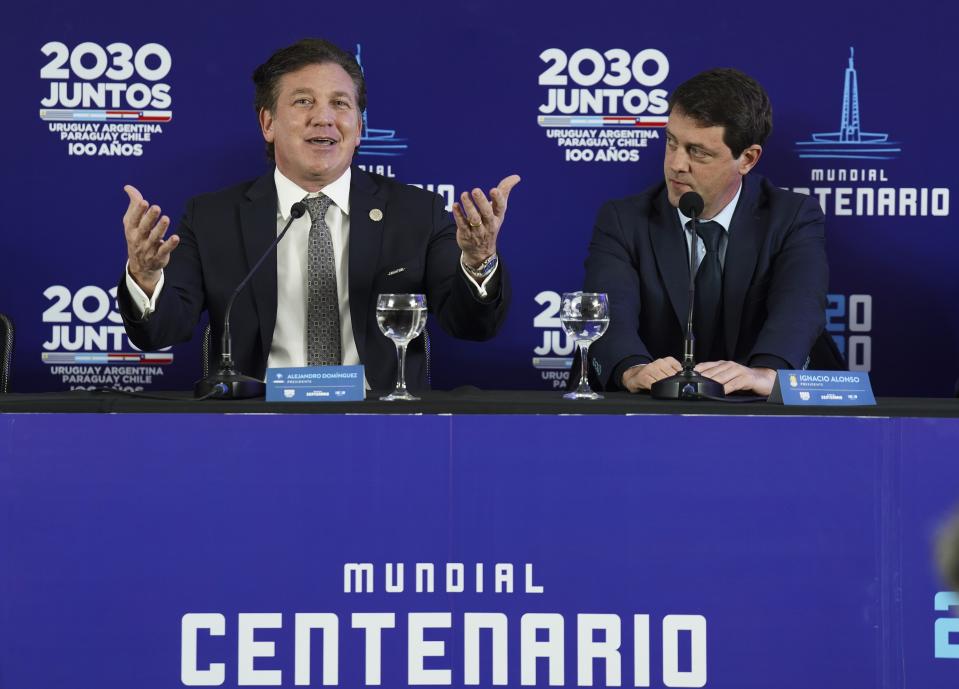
704, 147
342, 94
691, 144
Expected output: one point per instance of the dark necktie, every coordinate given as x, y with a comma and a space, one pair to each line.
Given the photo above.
323, 304
709, 290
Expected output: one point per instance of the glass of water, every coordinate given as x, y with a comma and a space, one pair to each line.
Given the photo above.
401, 318
585, 317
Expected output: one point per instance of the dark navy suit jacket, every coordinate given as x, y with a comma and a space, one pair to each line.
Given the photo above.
224, 233
775, 279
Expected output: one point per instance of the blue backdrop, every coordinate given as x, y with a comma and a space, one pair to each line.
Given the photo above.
462, 94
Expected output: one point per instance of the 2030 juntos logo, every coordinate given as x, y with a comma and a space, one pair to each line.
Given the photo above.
611, 123
617, 68
849, 322
117, 62
101, 326
106, 101
554, 355
91, 353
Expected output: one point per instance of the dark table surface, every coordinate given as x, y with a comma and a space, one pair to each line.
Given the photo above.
468, 400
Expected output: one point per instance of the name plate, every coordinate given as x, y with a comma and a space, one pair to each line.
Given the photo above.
822, 388
315, 384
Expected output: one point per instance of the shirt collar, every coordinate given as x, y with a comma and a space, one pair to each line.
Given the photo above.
288, 192
724, 217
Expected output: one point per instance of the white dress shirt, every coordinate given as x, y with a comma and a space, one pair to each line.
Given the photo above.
289, 333
724, 218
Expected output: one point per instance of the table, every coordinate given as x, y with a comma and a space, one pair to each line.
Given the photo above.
645, 543
465, 400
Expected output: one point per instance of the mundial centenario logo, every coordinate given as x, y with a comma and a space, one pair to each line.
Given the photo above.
853, 172
849, 141
375, 141
105, 100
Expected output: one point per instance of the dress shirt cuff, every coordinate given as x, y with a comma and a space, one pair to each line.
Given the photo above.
768, 361
480, 286
143, 305
617, 378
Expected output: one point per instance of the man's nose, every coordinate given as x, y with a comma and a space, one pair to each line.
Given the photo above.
322, 114
677, 160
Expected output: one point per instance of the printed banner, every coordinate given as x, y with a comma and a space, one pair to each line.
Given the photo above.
573, 99
400, 551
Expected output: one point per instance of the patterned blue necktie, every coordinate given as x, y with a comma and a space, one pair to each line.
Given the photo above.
323, 304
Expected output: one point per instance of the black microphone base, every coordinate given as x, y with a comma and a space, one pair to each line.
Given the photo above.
231, 385
686, 385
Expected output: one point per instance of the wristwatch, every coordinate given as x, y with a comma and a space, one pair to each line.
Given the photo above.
484, 269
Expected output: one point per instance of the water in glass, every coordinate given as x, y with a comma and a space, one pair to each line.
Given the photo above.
401, 324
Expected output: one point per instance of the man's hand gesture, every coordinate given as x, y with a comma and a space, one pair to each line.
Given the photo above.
148, 252
478, 220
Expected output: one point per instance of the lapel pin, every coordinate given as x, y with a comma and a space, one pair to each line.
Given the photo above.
395, 271
376, 215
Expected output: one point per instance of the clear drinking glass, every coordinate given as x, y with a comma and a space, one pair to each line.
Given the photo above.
585, 317
401, 318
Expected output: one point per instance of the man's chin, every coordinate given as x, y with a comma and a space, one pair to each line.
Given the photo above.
328, 171
676, 191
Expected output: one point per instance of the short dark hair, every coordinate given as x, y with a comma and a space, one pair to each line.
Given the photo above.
309, 51
728, 98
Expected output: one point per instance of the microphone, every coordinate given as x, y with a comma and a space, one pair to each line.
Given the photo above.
691, 204
227, 382
687, 384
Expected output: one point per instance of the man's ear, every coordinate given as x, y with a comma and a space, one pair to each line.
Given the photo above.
749, 157
266, 124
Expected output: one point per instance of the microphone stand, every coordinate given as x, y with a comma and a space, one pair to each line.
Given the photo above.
227, 382
688, 384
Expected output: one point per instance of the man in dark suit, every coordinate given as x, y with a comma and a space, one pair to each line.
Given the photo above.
313, 302
762, 275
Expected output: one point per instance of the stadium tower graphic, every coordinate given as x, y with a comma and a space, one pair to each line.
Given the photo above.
850, 141
378, 142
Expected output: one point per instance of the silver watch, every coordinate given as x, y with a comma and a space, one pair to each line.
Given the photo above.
485, 269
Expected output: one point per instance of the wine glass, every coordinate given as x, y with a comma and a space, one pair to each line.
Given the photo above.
585, 317
401, 318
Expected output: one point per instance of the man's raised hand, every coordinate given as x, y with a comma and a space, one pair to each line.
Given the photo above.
148, 252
